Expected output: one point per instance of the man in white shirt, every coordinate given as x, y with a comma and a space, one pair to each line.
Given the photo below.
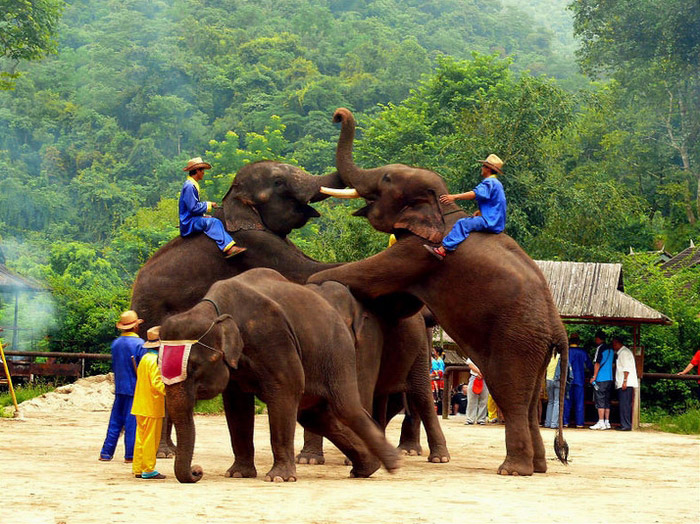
625, 381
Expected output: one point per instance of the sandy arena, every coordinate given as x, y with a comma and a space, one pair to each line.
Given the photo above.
50, 474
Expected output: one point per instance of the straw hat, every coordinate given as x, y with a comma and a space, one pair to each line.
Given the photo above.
128, 320
196, 163
153, 335
493, 162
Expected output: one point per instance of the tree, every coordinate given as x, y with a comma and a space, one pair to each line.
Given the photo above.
27, 32
652, 48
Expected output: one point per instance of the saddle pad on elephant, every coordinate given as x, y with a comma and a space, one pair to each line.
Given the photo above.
172, 360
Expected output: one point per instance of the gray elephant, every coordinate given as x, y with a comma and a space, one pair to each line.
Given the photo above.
259, 334
488, 295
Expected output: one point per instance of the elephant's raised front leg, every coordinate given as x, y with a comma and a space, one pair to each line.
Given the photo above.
312, 452
240, 417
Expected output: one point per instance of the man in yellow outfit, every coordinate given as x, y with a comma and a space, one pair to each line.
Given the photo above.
149, 408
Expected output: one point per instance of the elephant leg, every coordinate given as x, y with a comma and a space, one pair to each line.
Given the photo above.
240, 418
514, 390
420, 402
166, 447
312, 452
281, 412
409, 441
539, 460
380, 409
320, 420
349, 411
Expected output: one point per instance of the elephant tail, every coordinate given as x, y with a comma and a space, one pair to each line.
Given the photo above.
561, 448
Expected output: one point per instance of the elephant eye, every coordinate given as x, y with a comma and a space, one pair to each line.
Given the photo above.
386, 177
279, 182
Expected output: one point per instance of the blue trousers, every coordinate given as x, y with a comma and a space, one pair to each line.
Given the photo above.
574, 398
460, 231
552, 417
214, 229
121, 417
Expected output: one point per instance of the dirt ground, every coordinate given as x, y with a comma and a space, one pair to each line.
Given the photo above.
50, 473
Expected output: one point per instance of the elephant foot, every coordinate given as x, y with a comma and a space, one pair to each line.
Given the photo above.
364, 470
540, 465
238, 471
439, 456
310, 457
515, 468
412, 449
165, 452
281, 474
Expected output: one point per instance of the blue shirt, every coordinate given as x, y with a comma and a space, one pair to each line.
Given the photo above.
492, 203
190, 206
123, 348
437, 364
605, 356
580, 361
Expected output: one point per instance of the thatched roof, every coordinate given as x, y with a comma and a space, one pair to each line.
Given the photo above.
11, 282
689, 257
595, 291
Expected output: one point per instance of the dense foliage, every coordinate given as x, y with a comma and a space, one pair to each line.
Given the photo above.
92, 140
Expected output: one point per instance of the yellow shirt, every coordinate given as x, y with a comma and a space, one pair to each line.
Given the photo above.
551, 367
149, 395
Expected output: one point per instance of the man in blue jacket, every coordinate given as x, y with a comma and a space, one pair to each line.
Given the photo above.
491, 215
127, 350
192, 209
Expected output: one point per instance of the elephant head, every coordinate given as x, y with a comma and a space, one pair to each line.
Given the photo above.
398, 196
216, 350
271, 196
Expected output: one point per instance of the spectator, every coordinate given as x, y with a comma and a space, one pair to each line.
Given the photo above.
625, 381
477, 396
459, 400
127, 351
494, 411
149, 409
695, 361
580, 362
602, 381
553, 374
437, 370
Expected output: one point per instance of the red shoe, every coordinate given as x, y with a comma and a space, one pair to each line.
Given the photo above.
435, 251
233, 251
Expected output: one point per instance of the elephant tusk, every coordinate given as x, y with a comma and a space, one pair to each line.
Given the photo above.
340, 193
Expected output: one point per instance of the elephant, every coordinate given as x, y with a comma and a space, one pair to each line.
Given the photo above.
394, 378
488, 294
260, 334
264, 203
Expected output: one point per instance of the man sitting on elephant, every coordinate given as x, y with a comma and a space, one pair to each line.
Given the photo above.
491, 215
192, 209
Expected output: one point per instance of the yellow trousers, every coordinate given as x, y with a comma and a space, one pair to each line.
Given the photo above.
146, 446
492, 408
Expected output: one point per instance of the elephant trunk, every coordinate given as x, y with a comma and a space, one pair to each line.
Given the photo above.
180, 409
364, 180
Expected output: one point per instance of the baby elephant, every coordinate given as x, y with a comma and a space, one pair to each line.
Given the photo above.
259, 334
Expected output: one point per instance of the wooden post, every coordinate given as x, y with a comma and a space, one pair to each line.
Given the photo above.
638, 353
9, 379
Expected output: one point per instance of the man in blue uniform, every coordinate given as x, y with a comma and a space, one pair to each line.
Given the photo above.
579, 362
491, 216
192, 209
127, 350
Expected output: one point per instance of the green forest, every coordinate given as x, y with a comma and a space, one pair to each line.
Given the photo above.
594, 106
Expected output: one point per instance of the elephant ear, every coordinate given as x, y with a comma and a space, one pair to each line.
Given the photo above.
423, 217
231, 340
240, 213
